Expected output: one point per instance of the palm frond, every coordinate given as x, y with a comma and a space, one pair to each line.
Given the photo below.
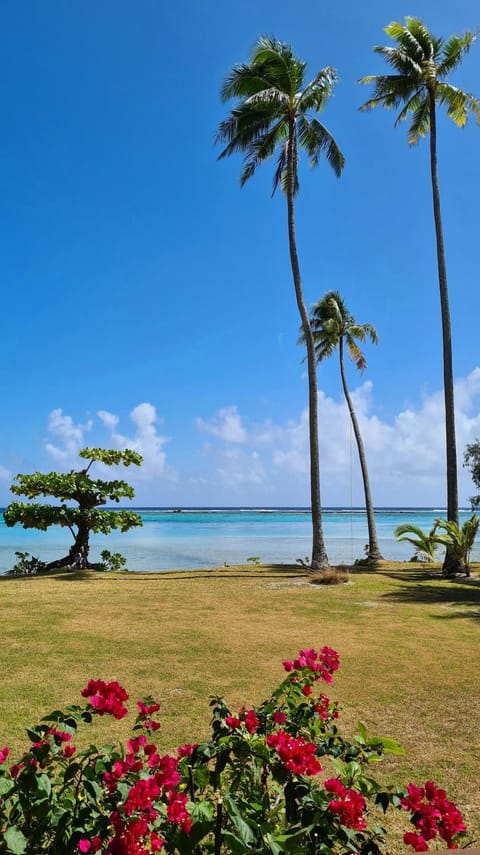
458, 103
410, 106
318, 90
281, 167
390, 90
454, 50
421, 541
243, 81
244, 125
315, 138
405, 64
420, 124
279, 63
261, 149
354, 351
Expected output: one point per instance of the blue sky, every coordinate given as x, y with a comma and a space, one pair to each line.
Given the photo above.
147, 300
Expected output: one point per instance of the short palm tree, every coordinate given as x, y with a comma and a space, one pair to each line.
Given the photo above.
424, 544
335, 328
276, 114
458, 540
422, 63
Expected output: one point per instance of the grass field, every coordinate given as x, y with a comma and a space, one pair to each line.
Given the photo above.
408, 642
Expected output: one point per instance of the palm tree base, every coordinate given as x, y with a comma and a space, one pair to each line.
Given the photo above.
320, 565
454, 566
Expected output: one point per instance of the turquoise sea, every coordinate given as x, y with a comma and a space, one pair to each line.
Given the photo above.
207, 537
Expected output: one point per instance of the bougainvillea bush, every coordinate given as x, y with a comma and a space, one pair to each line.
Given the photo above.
274, 778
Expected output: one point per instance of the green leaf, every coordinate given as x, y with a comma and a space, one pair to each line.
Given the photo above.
93, 790
43, 787
5, 786
235, 845
15, 840
391, 746
203, 811
71, 771
362, 731
383, 800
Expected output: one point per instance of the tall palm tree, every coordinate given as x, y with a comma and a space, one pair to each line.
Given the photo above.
275, 114
334, 327
422, 62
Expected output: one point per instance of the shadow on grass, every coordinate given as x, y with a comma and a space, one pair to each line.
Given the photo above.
421, 586
264, 571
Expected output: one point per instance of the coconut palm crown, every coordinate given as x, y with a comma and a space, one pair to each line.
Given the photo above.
421, 63
276, 115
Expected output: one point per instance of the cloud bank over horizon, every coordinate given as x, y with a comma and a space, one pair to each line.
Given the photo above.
233, 460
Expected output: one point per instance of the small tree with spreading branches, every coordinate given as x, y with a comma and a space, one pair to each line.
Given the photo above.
89, 495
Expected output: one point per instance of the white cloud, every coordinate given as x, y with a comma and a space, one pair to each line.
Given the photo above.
406, 455
70, 438
109, 419
267, 463
226, 425
69, 434
147, 441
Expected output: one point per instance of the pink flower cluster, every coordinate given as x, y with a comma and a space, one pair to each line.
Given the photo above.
432, 814
247, 717
321, 665
296, 754
146, 711
349, 805
322, 707
4, 754
133, 820
106, 697
58, 738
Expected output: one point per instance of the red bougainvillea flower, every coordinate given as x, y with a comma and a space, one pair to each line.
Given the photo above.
410, 838
167, 775
251, 721
279, 717
106, 698
16, 769
177, 811
317, 665
4, 754
233, 721
432, 814
186, 750
349, 806
92, 845
69, 751
324, 710
147, 709
297, 755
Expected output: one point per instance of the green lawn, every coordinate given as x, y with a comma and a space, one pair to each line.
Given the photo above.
408, 643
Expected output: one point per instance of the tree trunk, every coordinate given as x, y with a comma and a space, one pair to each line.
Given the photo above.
450, 565
374, 553
77, 558
319, 553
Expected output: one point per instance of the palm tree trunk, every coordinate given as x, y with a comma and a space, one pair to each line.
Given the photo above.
374, 553
450, 565
319, 553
